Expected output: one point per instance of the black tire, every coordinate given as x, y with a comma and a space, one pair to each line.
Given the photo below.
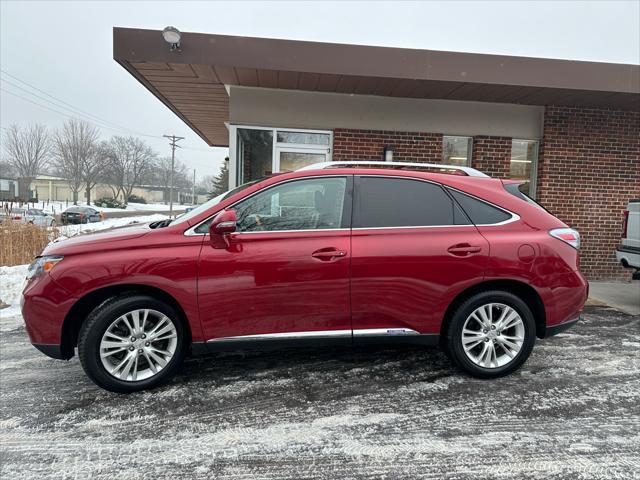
97, 323
453, 336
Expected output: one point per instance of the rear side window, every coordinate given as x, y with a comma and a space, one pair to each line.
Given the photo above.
480, 213
514, 189
400, 202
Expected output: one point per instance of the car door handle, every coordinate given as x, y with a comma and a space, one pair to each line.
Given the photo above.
326, 254
463, 249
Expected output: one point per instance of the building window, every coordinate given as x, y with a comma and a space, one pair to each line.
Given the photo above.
523, 165
456, 150
255, 151
305, 138
262, 151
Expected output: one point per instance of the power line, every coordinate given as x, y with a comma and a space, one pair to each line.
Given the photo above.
74, 114
72, 107
98, 121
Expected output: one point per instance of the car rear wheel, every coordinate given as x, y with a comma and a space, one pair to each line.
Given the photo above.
491, 334
131, 342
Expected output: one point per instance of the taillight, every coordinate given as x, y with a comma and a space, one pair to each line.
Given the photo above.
17, 217
567, 235
625, 223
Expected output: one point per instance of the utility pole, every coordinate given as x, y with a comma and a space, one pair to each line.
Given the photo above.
174, 141
193, 188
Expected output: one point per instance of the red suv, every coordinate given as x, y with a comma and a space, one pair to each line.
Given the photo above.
338, 253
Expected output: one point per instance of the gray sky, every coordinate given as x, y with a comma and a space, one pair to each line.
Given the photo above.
65, 48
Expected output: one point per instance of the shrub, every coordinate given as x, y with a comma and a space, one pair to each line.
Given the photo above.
107, 202
20, 242
136, 199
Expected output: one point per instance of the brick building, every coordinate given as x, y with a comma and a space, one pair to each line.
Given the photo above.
569, 130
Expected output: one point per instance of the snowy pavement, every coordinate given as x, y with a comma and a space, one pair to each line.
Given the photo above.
573, 411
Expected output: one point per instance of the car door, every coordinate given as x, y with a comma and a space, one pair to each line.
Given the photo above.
413, 250
285, 273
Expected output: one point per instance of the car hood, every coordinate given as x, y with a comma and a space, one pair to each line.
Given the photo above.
105, 240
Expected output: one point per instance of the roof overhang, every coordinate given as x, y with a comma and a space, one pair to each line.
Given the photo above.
194, 82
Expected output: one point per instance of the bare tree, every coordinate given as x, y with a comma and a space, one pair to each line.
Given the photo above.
162, 174
129, 159
92, 168
76, 155
27, 151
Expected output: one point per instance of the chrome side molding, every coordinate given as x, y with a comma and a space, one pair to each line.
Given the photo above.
363, 332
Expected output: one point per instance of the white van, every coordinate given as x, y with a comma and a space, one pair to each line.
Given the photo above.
628, 253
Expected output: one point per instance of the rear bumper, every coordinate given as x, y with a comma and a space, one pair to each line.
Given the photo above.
556, 329
50, 350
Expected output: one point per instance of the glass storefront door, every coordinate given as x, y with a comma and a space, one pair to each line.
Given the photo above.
260, 151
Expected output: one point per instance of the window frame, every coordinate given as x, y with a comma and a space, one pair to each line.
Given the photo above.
469, 148
533, 179
234, 170
347, 208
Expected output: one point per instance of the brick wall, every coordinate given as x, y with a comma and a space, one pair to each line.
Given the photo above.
588, 169
492, 155
351, 144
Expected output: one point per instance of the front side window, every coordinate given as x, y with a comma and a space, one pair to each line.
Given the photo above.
456, 150
400, 202
311, 204
523, 165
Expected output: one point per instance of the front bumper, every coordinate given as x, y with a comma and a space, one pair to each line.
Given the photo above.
44, 309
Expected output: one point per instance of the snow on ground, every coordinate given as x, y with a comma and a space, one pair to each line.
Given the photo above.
58, 207
11, 283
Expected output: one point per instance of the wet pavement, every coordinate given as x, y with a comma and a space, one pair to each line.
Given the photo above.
572, 411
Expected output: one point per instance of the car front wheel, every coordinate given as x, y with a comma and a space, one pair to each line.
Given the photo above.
131, 342
491, 334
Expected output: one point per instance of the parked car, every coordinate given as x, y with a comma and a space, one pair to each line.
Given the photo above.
333, 254
30, 215
79, 215
39, 217
628, 253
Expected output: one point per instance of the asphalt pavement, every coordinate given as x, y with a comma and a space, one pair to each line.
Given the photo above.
572, 411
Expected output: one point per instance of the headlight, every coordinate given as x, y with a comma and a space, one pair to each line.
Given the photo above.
42, 265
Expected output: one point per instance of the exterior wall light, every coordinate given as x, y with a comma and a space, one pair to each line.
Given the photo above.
172, 36
388, 153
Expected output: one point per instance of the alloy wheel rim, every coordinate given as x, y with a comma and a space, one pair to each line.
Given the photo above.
493, 335
138, 345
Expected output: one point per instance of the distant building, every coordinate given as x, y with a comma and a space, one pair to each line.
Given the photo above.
52, 188
9, 188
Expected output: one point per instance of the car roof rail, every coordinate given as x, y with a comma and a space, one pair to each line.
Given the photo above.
431, 167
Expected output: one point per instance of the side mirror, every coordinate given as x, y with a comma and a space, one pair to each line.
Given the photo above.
222, 225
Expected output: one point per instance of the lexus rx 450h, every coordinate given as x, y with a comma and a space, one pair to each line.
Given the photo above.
337, 253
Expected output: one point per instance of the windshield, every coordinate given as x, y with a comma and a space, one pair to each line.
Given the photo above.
210, 203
